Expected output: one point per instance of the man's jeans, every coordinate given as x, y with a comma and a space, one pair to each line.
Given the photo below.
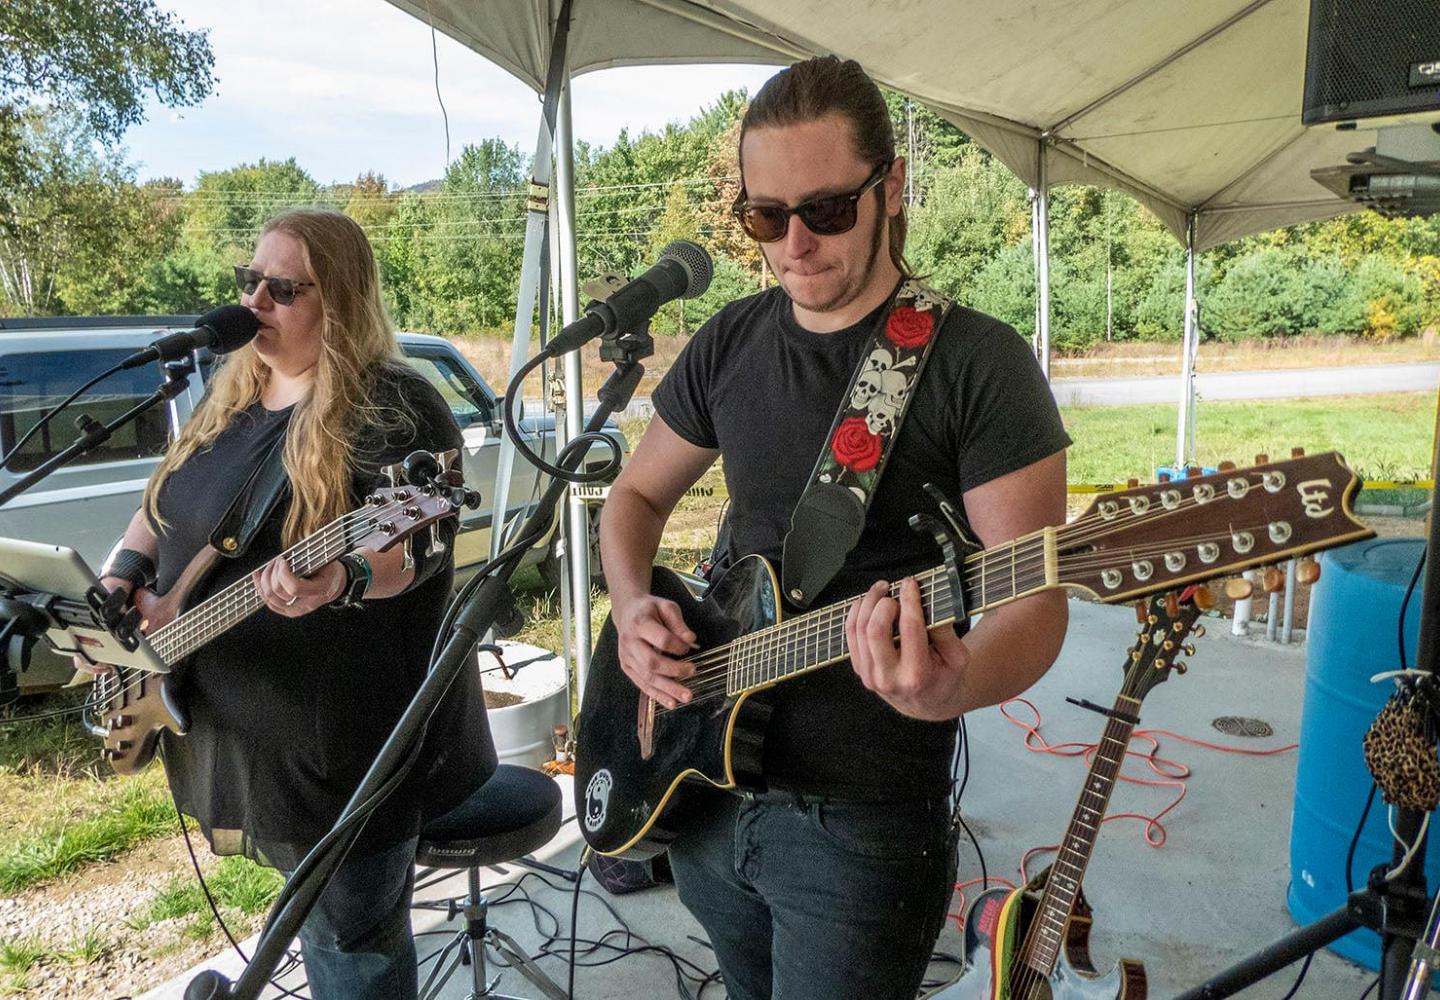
356, 941
809, 897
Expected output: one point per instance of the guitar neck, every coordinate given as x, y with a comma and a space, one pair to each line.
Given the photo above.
1067, 873
807, 642
222, 611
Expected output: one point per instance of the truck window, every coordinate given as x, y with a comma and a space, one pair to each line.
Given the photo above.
466, 399
30, 384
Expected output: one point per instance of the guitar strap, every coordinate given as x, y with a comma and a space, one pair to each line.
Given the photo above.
830, 516
251, 508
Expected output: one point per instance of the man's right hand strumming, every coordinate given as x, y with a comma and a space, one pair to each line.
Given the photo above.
652, 633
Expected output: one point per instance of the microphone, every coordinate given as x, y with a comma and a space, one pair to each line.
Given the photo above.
682, 272
222, 330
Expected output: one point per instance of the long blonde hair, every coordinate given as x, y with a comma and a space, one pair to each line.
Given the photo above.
356, 339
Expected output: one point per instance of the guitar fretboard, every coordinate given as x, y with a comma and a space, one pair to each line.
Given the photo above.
240, 600
808, 642
1068, 870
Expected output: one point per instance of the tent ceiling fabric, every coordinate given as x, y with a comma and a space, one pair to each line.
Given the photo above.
1190, 107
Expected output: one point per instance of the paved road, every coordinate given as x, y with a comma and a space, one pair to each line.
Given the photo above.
1290, 383
1281, 384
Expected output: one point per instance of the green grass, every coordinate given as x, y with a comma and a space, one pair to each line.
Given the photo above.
129, 812
20, 955
1382, 437
236, 883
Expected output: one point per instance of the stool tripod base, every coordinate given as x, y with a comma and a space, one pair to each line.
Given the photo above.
469, 949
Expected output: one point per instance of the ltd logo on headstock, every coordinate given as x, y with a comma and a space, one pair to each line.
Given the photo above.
1315, 495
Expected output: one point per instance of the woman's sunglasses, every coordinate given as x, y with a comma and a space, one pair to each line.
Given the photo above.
282, 290
828, 216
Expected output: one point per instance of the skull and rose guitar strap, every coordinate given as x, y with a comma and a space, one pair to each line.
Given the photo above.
830, 516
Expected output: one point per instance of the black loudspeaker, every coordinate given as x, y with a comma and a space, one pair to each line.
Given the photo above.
1371, 58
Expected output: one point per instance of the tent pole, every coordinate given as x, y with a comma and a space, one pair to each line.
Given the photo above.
577, 525
1185, 429
1042, 252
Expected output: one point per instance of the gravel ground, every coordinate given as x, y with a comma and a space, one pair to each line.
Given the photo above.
99, 900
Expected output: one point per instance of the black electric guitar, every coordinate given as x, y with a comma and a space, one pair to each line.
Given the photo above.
633, 756
135, 705
1033, 943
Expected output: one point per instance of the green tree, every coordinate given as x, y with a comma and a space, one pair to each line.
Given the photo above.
58, 209
95, 57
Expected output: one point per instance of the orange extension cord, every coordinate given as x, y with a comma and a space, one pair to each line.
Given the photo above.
1172, 774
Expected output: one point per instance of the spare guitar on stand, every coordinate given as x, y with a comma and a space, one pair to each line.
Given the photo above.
1032, 943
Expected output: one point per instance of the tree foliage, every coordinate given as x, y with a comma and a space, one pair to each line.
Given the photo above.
450, 251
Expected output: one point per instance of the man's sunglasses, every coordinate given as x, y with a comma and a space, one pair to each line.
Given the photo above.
828, 216
282, 290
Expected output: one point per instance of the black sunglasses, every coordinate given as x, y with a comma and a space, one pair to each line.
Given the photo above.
828, 216
282, 290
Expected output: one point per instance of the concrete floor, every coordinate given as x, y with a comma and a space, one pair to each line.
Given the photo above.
1214, 892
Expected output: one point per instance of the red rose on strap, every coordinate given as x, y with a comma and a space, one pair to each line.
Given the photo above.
908, 327
854, 446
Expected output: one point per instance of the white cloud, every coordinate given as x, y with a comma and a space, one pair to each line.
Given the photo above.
346, 87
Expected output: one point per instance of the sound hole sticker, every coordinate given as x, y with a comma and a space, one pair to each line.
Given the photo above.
597, 799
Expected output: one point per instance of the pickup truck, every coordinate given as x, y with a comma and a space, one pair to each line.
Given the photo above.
87, 504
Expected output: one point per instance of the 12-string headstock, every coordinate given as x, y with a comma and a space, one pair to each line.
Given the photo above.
1146, 539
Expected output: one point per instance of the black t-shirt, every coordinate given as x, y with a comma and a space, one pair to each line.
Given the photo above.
286, 714
764, 390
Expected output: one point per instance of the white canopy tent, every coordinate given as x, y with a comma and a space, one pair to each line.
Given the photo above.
1191, 107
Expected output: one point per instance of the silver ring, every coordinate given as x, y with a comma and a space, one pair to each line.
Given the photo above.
292, 600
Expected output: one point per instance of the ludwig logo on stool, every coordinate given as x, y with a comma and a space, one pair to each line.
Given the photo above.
597, 799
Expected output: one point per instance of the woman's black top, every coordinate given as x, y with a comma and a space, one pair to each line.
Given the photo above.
287, 714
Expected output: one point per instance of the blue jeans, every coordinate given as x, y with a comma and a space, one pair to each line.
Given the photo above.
810, 897
356, 941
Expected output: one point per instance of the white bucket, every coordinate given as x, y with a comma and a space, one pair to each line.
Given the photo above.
522, 729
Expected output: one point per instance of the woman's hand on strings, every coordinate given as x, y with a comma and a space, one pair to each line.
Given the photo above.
292, 596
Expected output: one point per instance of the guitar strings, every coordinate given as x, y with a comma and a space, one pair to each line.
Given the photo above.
174, 635
769, 641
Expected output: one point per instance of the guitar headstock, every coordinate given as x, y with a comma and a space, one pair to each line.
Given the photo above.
1146, 539
1166, 621
395, 512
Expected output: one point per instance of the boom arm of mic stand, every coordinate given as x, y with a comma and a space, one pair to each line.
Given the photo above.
472, 621
95, 434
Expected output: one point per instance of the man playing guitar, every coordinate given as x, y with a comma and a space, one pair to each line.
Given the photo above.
834, 881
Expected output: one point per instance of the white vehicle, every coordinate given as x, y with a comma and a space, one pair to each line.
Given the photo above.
87, 504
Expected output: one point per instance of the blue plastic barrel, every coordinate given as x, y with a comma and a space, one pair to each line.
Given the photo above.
1354, 612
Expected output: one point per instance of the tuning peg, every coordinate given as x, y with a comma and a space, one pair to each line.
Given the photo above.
1181, 666
1191, 471
1163, 477
1273, 580
1140, 612
1297, 452
1262, 459
1132, 484
1172, 605
1239, 588
1204, 599
1307, 571
1198, 631
1226, 466
1189, 649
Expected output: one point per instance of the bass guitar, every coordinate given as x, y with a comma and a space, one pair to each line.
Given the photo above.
633, 756
135, 705
1033, 943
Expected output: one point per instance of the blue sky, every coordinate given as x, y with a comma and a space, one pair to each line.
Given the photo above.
346, 86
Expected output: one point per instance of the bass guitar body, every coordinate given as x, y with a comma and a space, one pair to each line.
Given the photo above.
633, 757
995, 927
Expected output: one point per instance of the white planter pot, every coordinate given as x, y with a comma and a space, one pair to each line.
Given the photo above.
522, 730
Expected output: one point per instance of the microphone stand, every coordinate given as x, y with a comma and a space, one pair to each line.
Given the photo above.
23, 619
93, 433
472, 620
